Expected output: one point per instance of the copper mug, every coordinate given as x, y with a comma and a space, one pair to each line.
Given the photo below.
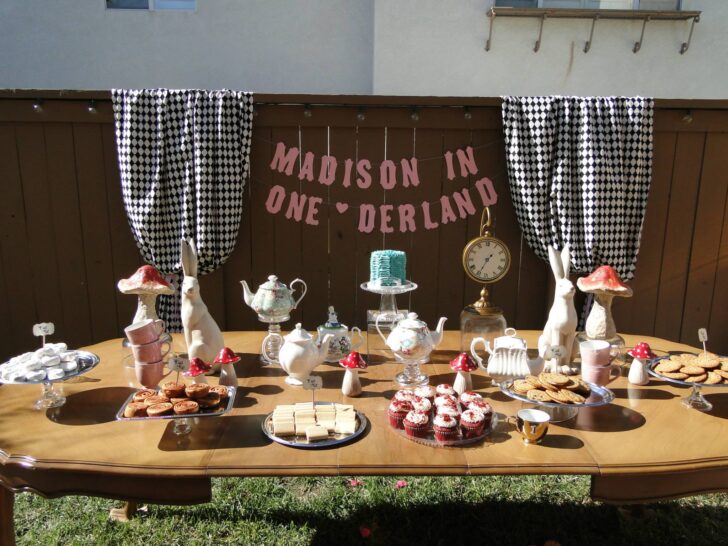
532, 424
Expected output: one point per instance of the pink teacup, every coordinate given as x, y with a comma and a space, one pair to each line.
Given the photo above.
149, 374
150, 352
596, 362
144, 331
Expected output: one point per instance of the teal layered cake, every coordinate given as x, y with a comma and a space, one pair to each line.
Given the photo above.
387, 267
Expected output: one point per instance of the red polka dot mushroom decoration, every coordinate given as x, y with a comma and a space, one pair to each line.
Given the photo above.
147, 283
351, 386
605, 284
197, 370
227, 359
641, 354
463, 364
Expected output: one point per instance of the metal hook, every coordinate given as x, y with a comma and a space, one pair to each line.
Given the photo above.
485, 223
685, 45
537, 46
491, 14
638, 45
587, 45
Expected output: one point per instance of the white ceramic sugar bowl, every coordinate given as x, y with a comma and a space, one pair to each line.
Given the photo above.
342, 342
508, 357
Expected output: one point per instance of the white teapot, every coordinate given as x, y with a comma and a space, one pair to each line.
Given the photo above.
508, 357
299, 354
411, 340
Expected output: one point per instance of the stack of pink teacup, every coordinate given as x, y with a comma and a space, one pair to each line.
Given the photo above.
149, 351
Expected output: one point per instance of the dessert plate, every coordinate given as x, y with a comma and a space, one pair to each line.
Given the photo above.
600, 396
430, 440
220, 410
300, 441
86, 362
695, 400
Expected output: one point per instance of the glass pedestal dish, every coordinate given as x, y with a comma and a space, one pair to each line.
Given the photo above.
388, 311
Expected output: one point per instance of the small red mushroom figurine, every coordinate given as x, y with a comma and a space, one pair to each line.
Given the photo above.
197, 370
463, 364
227, 359
641, 354
352, 364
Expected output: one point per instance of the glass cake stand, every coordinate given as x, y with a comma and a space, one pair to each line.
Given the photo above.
387, 309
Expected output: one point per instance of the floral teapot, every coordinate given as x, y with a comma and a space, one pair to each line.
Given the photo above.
508, 357
343, 342
274, 300
299, 354
410, 340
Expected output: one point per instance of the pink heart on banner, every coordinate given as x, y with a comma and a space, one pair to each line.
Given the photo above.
342, 207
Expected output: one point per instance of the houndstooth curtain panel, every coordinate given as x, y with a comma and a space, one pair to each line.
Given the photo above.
183, 157
579, 171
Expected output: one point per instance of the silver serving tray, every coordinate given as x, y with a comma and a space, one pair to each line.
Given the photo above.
651, 371
600, 396
432, 442
300, 441
86, 362
220, 411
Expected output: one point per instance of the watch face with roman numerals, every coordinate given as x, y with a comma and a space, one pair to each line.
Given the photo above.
486, 259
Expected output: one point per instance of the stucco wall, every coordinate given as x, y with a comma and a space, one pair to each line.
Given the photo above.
399, 47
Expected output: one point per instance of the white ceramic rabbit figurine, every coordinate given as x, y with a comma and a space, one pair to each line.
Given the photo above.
202, 335
561, 325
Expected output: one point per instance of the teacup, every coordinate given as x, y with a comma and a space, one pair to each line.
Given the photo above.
532, 424
149, 374
144, 331
596, 362
150, 352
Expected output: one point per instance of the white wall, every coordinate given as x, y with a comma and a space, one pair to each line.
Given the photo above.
437, 47
398, 47
319, 46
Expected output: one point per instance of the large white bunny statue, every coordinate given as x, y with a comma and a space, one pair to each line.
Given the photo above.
561, 325
202, 335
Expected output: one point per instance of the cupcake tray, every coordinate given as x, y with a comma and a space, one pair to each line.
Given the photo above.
86, 362
430, 440
301, 441
220, 410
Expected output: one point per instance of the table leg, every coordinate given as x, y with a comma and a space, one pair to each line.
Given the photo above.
125, 513
7, 527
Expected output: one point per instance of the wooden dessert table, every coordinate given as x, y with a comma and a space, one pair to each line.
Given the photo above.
643, 447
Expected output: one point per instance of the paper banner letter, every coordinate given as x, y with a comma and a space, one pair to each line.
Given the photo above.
410, 175
448, 215
429, 224
467, 162
448, 163
365, 179
283, 161
327, 174
347, 173
276, 196
296, 205
307, 168
313, 203
385, 218
464, 203
406, 218
388, 174
487, 192
367, 214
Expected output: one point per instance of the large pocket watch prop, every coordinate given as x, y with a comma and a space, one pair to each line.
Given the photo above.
411, 343
299, 354
343, 341
508, 357
486, 260
273, 302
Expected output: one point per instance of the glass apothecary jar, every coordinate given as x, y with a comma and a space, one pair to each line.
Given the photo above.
486, 323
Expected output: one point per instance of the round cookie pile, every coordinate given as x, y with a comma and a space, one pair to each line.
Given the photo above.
176, 399
705, 368
553, 388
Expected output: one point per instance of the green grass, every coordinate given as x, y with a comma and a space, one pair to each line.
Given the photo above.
429, 510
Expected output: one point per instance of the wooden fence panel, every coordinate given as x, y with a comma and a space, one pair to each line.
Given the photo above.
65, 241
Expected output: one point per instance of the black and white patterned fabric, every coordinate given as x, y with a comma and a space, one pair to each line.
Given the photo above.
183, 157
579, 171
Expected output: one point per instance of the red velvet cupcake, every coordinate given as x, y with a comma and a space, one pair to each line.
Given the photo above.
469, 396
397, 411
426, 391
445, 388
422, 404
484, 408
472, 423
445, 428
416, 424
